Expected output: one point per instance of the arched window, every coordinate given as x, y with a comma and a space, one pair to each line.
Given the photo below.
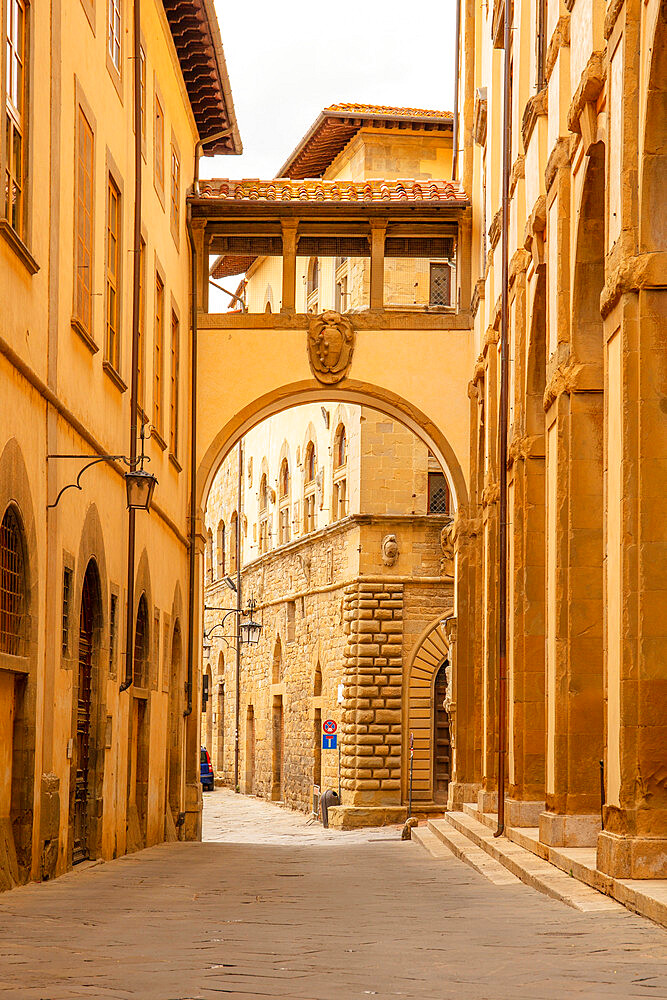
283, 504
313, 275
310, 464
233, 542
339, 494
284, 479
340, 449
263, 493
12, 586
310, 469
141, 644
221, 550
317, 686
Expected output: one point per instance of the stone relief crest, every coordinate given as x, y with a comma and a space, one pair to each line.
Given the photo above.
330, 346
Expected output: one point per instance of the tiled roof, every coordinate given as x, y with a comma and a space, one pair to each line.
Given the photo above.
373, 191
339, 123
196, 35
384, 111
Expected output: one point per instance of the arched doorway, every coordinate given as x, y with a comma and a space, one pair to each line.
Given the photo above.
317, 727
441, 753
176, 724
427, 720
220, 681
207, 711
250, 751
86, 749
137, 813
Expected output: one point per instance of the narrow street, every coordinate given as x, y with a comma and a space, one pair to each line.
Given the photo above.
272, 906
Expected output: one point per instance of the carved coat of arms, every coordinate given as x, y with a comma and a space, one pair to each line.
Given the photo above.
330, 346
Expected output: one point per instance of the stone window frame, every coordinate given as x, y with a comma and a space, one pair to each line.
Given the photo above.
339, 498
284, 527
309, 487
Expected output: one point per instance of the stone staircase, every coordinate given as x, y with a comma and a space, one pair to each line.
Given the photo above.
566, 874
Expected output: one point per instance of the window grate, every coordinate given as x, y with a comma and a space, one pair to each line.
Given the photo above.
441, 283
67, 596
438, 494
437, 246
12, 586
113, 626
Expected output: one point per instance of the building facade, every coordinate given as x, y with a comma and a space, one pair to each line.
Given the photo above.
93, 746
342, 510
587, 434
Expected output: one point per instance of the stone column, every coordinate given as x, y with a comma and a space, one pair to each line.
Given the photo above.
372, 707
378, 231
633, 843
289, 232
574, 614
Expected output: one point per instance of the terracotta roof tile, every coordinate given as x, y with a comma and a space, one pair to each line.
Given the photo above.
382, 111
375, 191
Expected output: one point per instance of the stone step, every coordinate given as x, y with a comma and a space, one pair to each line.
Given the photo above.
526, 866
647, 897
462, 848
426, 839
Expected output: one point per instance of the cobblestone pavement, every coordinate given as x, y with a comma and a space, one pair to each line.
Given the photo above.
275, 908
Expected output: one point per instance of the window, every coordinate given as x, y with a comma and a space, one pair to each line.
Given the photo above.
113, 275
159, 144
438, 493
156, 649
141, 339
113, 630
283, 504
15, 123
173, 399
309, 489
158, 349
312, 284
339, 499
67, 598
12, 585
221, 550
440, 284
175, 192
83, 237
114, 32
141, 647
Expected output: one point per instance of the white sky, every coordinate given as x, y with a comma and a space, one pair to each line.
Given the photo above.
288, 60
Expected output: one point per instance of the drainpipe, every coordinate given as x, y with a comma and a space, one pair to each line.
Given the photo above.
192, 517
502, 450
457, 63
238, 621
134, 380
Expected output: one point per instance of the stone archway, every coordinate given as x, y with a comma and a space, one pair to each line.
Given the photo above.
176, 725
421, 717
212, 452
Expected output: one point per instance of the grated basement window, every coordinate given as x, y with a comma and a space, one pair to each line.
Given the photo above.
440, 285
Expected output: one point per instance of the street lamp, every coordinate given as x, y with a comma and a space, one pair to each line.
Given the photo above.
140, 484
250, 632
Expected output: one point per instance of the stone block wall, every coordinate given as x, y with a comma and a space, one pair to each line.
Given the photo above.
371, 736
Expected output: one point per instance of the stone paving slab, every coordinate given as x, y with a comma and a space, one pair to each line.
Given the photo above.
341, 917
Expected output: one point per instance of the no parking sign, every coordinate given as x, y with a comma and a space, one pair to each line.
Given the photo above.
329, 737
